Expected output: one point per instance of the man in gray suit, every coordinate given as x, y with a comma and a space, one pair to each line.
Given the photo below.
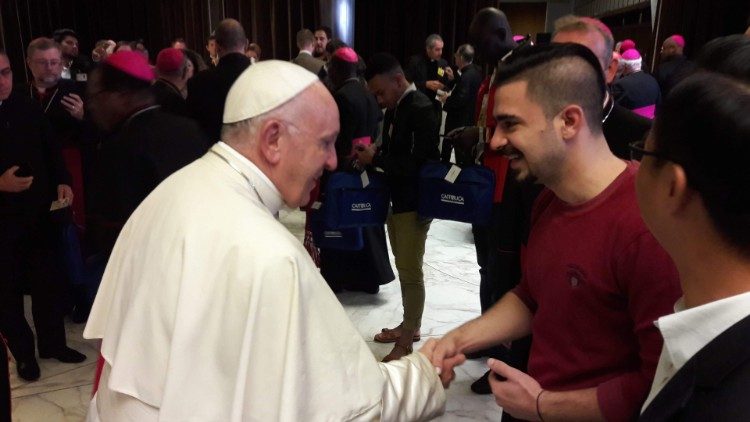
306, 45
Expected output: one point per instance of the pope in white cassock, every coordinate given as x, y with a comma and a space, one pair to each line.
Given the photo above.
210, 310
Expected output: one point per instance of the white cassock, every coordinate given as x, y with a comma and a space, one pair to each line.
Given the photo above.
210, 310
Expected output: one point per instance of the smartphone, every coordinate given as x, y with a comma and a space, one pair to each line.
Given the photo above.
24, 170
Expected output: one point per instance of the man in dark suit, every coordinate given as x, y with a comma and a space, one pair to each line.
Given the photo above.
410, 138
306, 45
430, 72
636, 88
32, 175
145, 145
696, 201
674, 65
172, 73
359, 116
208, 90
461, 104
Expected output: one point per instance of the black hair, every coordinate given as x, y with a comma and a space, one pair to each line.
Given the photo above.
334, 45
327, 30
728, 55
198, 63
382, 63
60, 34
703, 125
558, 75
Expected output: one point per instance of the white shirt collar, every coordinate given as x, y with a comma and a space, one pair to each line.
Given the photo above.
266, 190
305, 52
411, 88
687, 331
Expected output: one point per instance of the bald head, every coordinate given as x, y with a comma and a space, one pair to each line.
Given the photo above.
230, 37
490, 32
590, 33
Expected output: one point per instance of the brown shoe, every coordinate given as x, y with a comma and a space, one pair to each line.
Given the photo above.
398, 352
391, 335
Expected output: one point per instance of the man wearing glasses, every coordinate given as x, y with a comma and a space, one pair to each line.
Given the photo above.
594, 279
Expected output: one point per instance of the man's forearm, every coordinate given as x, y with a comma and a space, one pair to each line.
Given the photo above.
576, 405
507, 320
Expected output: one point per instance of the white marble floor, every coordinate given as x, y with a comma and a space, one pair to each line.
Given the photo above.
452, 284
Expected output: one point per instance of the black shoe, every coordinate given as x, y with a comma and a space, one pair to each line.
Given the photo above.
64, 355
28, 369
482, 385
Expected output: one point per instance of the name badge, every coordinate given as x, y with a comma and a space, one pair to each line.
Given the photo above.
453, 174
365, 179
82, 77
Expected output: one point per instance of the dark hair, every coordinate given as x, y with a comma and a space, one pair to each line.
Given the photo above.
327, 30
212, 37
466, 51
558, 75
60, 34
114, 80
334, 45
704, 126
304, 37
176, 40
382, 63
728, 55
198, 63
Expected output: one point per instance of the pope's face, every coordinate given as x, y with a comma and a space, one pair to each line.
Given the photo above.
308, 145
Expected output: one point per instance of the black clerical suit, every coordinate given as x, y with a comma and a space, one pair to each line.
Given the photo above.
712, 386
27, 241
147, 147
420, 69
461, 104
168, 96
672, 71
622, 127
369, 267
207, 92
636, 90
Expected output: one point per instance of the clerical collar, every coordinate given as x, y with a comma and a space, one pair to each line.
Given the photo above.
267, 192
411, 88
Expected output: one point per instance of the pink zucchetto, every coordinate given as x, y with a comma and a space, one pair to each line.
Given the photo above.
627, 45
131, 63
679, 40
346, 54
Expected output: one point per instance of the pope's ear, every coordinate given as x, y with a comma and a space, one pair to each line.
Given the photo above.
269, 135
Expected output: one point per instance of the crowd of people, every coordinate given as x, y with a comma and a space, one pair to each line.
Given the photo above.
614, 270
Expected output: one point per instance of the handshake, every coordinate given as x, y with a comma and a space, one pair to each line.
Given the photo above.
515, 391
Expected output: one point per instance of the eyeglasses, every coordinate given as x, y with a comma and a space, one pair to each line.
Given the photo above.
638, 151
50, 63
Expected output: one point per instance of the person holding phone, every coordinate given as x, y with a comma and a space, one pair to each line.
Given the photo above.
32, 175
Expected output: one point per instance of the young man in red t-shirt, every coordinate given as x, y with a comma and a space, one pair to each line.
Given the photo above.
594, 278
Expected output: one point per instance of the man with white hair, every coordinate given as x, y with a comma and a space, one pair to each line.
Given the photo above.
210, 310
636, 88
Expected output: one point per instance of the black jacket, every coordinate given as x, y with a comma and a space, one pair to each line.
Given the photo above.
672, 71
28, 140
459, 107
420, 69
622, 127
207, 92
145, 150
359, 115
712, 386
636, 90
168, 96
410, 138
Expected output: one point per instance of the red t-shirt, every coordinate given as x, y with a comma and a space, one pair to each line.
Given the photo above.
596, 280
493, 160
